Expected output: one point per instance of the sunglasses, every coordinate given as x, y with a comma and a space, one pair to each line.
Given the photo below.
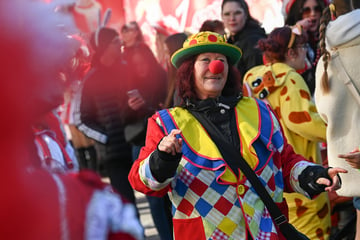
307, 10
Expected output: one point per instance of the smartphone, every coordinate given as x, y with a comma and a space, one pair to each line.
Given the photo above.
133, 93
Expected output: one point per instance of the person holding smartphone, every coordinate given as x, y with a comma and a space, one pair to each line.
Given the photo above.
103, 111
146, 94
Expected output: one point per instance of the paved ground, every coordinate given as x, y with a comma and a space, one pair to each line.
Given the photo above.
145, 217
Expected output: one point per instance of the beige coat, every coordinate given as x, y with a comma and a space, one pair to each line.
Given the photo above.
339, 107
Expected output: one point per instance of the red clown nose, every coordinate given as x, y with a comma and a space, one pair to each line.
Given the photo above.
216, 66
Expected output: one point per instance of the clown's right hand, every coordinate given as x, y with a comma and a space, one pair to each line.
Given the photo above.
170, 144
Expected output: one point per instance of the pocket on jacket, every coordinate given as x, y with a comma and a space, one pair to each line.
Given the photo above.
189, 229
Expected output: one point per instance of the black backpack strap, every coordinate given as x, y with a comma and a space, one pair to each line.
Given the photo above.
236, 162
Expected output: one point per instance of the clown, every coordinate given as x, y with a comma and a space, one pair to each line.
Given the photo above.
210, 199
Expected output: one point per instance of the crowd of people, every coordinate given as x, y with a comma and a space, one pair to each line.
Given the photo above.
157, 122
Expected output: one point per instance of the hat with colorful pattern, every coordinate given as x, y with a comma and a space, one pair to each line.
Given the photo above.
206, 42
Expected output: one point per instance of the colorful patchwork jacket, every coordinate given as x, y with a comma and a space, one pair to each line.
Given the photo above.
209, 201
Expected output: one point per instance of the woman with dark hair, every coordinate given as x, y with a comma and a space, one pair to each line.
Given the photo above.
337, 104
211, 196
146, 94
244, 32
172, 44
285, 90
213, 26
307, 14
148, 81
131, 34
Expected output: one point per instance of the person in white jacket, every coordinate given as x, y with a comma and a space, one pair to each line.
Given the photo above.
337, 92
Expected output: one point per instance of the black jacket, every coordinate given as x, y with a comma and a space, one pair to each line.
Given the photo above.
247, 40
104, 112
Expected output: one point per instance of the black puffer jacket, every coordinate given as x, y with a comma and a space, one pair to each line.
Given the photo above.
247, 40
104, 110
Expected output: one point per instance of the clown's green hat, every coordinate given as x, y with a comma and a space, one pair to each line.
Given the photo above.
206, 42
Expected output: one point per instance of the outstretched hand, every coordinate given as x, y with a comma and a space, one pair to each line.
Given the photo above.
353, 158
170, 143
336, 182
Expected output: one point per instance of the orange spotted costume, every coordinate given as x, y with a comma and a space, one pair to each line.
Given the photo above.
287, 93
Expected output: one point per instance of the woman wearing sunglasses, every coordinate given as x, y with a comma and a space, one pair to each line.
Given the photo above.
307, 14
278, 84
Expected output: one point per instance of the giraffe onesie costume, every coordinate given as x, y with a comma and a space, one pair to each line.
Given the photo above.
287, 93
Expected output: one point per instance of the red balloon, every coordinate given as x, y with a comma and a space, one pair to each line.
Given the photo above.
216, 66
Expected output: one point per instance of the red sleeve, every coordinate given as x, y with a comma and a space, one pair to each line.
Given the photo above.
153, 136
288, 159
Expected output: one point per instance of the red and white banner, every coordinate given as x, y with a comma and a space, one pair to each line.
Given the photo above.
188, 15
172, 16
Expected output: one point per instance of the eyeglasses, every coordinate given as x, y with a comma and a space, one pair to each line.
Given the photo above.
307, 10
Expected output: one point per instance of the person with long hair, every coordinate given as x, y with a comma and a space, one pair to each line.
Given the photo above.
244, 32
212, 198
146, 94
172, 43
131, 34
307, 14
337, 75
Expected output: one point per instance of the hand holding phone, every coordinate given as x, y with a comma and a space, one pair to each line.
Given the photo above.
133, 93
135, 101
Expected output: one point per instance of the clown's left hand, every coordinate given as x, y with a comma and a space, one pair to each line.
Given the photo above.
335, 184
